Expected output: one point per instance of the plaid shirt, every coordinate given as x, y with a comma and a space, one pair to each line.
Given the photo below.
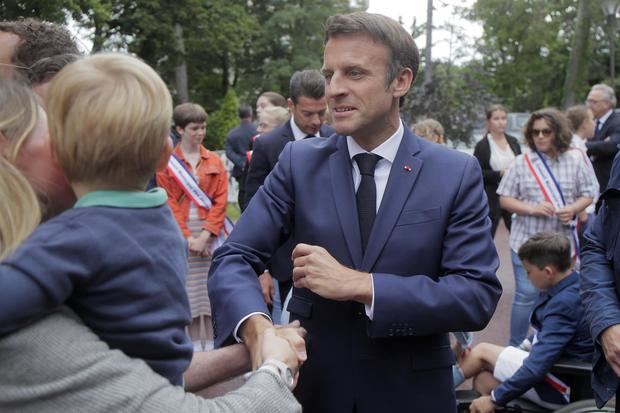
519, 183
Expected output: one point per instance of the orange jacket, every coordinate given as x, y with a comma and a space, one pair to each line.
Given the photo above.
212, 179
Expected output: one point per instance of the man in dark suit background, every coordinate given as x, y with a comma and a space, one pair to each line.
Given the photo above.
603, 146
239, 139
382, 275
308, 106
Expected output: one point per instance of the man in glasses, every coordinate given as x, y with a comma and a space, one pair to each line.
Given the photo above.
604, 144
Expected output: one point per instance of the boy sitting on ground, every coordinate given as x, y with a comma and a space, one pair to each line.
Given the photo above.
117, 258
505, 373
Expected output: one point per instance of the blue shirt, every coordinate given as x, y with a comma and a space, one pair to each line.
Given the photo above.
119, 261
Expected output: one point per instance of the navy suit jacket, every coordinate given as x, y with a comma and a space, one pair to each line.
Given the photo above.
430, 252
600, 281
265, 153
602, 151
237, 143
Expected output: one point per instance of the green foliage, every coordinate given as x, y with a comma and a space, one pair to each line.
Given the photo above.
455, 97
526, 46
222, 121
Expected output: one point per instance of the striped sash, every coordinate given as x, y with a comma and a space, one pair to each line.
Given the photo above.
552, 192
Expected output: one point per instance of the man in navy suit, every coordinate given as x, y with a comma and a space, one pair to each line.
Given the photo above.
239, 140
602, 148
307, 105
380, 276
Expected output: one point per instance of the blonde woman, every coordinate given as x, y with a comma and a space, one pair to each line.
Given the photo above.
429, 129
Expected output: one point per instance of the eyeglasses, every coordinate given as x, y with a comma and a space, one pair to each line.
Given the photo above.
545, 132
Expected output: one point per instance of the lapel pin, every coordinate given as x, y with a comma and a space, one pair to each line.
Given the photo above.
407, 168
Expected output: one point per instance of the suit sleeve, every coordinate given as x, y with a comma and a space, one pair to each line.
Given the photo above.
606, 148
598, 284
464, 296
258, 170
234, 290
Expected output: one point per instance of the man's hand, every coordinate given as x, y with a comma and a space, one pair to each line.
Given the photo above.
252, 330
482, 404
314, 268
267, 288
276, 343
610, 340
543, 209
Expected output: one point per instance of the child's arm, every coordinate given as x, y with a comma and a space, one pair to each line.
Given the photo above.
42, 273
559, 326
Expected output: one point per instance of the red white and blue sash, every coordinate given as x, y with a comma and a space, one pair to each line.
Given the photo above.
552, 192
188, 183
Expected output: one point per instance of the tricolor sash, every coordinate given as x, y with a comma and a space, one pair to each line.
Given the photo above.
190, 186
552, 192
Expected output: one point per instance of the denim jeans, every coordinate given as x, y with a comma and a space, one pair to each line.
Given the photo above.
523, 303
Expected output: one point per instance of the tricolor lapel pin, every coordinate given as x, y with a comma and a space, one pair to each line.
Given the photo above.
407, 168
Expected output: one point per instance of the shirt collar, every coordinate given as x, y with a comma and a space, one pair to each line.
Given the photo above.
387, 150
123, 199
604, 118
297, 133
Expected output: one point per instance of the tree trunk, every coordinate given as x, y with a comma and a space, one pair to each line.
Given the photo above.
577, 61
180, 71
428, 68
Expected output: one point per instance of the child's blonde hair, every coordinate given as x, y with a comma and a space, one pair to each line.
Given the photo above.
19, 208
108, 117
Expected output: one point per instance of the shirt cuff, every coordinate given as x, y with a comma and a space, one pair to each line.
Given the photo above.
235, 335
370, 309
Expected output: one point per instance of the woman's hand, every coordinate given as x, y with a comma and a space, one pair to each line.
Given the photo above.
199, 245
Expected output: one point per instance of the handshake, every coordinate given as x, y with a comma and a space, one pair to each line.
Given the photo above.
279, 349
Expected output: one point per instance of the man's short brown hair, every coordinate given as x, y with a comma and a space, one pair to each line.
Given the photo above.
38, 40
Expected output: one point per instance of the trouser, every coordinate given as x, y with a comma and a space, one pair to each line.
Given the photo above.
522, 304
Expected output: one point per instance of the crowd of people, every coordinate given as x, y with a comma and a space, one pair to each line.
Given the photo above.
371, 236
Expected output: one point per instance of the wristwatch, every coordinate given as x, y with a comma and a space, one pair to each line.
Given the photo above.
281, 369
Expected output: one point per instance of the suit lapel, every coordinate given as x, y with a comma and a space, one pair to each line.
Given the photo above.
404, 173
344, 195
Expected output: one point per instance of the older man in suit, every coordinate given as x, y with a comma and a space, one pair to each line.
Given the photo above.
604, 144
307, 105
393, 245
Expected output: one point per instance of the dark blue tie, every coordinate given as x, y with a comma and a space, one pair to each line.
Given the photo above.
598, 128
366, 194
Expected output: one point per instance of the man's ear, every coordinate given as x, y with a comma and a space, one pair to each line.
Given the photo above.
290, 104
165, 155
402, 82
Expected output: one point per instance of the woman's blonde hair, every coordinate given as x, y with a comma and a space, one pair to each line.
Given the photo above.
20, 212
108, 117
429, 129
19, 113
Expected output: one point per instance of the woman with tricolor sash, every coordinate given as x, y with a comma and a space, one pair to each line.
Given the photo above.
197, 185
545, 190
